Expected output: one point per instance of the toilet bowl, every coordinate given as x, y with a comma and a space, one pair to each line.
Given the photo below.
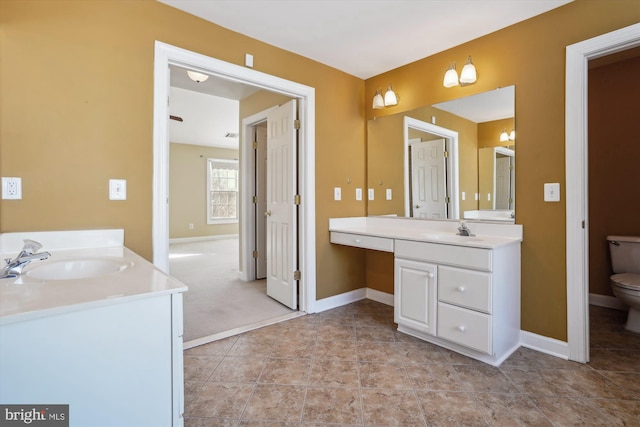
625, 284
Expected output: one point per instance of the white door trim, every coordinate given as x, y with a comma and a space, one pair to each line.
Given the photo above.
247, 187
165, 55
452, 166
576, 158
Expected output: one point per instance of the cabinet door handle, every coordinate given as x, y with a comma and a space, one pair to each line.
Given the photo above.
430, 275
461, 328
461, 289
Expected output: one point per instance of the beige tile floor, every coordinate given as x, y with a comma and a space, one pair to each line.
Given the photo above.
350, 367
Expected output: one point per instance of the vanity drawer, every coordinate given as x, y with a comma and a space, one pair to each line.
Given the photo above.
466, 288
465, 327
460, 256
360, 241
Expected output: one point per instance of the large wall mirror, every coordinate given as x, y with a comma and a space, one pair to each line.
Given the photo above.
450, 160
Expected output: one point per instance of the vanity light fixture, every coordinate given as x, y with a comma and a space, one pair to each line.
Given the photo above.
468, 76
451, 76
390, 99
197, 77
504, 136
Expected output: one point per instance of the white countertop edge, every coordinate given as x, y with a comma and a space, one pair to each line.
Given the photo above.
64, 309
493, 234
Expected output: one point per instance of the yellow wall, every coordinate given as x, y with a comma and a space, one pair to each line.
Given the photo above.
76, 79
531, 56
188, 191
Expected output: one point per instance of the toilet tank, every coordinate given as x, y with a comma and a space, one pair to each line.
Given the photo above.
625, 253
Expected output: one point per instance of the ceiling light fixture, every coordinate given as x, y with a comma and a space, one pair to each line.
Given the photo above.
390, 99
468, 76
197, 77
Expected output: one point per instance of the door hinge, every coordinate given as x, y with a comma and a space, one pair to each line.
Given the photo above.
583, 224
296, 199
255, 144
255, 254
297, 275
447, 199
446, 154
510, 167
296, 124
254, 199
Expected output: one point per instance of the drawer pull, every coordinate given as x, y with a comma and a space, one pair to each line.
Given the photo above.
461, 289
461, 328
357, 240
430, 275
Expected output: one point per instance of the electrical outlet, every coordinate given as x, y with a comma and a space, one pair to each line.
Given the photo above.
11, 188
389, 194
371, 194
463, 196
117, 189
358, 194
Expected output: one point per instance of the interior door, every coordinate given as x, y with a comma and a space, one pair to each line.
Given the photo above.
260, 162
428, 179
281, 209
503, 181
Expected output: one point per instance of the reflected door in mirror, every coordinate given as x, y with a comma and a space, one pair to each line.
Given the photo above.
428, 179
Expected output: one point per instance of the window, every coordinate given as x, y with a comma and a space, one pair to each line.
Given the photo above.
222, 191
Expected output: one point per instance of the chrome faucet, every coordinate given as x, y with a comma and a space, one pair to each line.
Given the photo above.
463, 230
13, 267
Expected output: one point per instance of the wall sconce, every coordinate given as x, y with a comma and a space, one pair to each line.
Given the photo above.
505, 137
197, 77
468, 76
390, 99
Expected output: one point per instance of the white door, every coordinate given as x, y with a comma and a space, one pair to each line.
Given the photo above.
281, 209
428, 179
503, 181
260, 162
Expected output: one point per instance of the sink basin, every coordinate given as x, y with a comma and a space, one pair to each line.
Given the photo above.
452, 238
83, 268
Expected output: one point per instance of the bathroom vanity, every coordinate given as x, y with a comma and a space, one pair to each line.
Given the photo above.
96, 327
459, 292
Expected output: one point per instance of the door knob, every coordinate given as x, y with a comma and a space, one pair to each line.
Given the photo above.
267, 213
417, 206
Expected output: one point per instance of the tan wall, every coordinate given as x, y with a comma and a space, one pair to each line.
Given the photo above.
531, 56
188, 191
614, 163
76, 109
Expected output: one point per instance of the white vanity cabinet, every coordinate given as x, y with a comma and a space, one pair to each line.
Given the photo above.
415, 297
472, 299
459, 292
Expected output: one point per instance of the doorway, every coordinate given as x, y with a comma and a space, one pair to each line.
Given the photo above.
166, 55
577, 224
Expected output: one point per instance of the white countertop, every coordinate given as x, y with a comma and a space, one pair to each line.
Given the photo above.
487, 235
26, 297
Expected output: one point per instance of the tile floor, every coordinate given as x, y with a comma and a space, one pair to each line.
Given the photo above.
350, 367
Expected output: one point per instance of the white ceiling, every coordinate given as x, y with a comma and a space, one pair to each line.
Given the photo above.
364, 37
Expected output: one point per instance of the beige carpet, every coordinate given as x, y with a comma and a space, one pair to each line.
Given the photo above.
217, 301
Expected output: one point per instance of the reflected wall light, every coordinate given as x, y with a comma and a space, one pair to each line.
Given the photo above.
505, 137
468, 76
390, 98
197, 77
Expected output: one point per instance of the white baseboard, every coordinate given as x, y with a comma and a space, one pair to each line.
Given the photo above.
544, 344
607, 301
381, 297
339, 300
202, 238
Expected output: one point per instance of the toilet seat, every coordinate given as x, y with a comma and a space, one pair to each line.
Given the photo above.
629, 281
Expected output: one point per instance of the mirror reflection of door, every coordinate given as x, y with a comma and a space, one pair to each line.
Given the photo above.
503, 181
428, 179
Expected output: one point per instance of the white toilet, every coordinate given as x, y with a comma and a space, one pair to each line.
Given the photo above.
625, 260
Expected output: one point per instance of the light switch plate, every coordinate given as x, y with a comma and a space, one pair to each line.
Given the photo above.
552, 192
358, 194
389, 194
248, 60
337, 193
117, 189
371, 194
